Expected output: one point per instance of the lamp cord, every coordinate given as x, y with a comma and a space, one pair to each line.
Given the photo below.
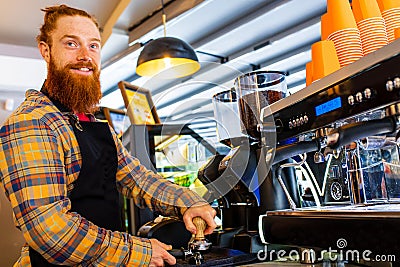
164, 18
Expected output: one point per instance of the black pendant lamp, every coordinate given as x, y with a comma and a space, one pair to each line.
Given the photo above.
168, 57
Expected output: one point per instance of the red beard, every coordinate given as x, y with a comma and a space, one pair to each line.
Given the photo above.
79, 93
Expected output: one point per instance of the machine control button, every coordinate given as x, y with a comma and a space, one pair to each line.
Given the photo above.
389, 86
396, 82
298, 122
367, 93
305, 118
301, 120
350, 100
290, 125
359, 97
294, 123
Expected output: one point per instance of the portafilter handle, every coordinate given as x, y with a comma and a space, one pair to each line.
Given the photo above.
198, 241
201, 225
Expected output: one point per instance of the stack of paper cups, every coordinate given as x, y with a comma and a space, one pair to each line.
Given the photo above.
390, 10
344, 31
370, 24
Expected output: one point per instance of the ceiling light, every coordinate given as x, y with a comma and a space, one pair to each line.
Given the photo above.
167, 56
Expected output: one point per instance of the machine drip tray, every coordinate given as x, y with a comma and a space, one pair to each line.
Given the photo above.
373, 228
221, 257
366, 210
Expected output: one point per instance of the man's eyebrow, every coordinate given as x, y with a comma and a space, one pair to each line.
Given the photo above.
76, 37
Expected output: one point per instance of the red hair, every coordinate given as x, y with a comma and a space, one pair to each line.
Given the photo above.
52, 14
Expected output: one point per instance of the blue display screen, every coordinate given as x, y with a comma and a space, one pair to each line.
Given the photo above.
328, 106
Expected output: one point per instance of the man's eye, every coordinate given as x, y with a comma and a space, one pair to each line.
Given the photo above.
71, 44
95, 46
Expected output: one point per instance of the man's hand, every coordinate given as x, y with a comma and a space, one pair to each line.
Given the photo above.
160, 254
204, 211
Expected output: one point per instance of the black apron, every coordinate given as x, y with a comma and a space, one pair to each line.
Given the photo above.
94, 195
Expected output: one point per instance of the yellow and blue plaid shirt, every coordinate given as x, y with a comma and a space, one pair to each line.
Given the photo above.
40, 160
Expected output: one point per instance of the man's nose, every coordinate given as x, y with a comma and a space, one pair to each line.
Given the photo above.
84, 55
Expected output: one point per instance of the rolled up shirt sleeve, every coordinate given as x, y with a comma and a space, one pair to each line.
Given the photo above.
151, 190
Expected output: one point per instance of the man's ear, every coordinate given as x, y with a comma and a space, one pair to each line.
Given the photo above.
44, 49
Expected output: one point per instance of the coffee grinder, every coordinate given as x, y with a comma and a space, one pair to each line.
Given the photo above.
241, 180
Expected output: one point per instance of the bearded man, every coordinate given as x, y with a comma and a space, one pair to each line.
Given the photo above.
62, 170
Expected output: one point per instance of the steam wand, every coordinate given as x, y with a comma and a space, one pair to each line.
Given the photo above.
336, 138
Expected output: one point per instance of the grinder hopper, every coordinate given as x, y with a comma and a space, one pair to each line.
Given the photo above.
256, 90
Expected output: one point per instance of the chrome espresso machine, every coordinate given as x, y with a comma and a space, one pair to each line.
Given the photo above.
342, 135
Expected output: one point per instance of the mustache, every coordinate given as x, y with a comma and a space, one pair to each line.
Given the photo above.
88, 65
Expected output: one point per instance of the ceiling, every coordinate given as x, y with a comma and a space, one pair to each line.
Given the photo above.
231, 37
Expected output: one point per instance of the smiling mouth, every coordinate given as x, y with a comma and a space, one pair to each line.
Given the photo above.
83, 70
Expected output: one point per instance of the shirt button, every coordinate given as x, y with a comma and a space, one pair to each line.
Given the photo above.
70, 187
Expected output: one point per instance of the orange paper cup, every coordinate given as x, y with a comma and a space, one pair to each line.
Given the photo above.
396, 33
340, 10
373, 34
324, 59
309, 75
365, 9
392, 21
325, 26
348, 47
388, 4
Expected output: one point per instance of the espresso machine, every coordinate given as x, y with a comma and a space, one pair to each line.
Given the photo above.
347, 122
315, 173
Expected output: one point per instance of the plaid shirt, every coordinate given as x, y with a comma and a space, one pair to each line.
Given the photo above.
39, 161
